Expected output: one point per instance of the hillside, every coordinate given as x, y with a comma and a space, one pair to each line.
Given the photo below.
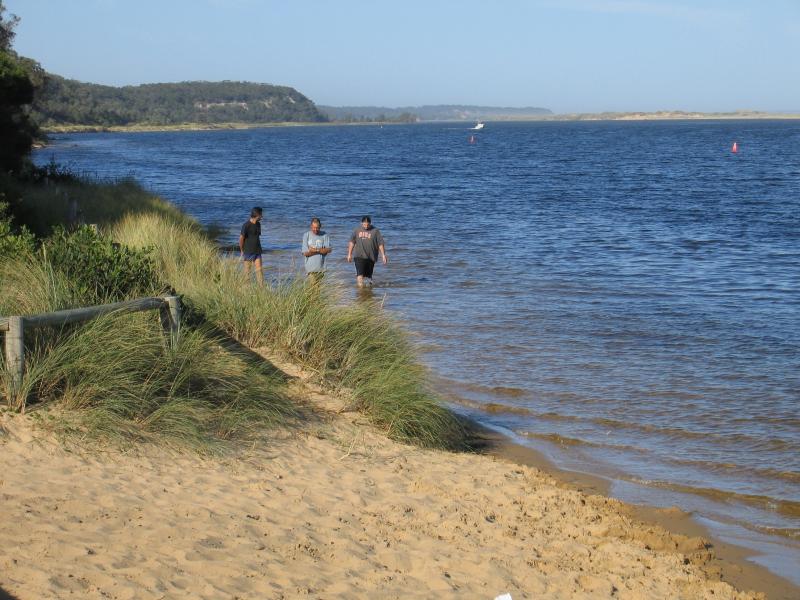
61, 101
443, 112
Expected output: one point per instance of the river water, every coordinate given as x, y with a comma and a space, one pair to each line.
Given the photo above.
623, 296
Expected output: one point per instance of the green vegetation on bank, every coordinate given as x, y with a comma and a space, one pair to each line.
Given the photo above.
117, 377
355, 348
17, 130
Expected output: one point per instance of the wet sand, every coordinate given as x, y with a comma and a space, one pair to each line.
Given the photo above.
672, 526
332, 510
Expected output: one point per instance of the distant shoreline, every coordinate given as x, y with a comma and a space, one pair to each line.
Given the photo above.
144, 127
628, 116
673, 115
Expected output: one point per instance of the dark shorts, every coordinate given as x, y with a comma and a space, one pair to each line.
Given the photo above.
251, 257
364, 267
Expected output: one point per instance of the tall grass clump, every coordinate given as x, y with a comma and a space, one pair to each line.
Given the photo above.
354, 346
119, 377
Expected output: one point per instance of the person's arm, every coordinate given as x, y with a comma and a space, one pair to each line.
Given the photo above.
326, 246
350, 247
382, 247
243, 236
307, 251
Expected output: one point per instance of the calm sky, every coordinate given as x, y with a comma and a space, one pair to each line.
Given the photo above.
566, 55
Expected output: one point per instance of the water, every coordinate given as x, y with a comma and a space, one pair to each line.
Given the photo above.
622, 296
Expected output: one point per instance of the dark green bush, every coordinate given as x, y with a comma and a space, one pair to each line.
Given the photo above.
13, 241
100, 270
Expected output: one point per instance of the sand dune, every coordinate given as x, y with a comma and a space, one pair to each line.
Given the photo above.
334, 510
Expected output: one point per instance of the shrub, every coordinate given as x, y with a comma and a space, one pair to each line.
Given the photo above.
99, 269
13, 242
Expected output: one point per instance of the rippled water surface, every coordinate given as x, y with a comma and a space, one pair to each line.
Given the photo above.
626, 295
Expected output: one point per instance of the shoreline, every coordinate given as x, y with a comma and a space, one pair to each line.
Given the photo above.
144, 128
333, 507
728, 561
559, 118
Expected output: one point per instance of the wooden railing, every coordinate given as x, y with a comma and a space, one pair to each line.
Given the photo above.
15, 326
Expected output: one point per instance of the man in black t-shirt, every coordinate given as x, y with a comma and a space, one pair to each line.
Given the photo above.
250, 243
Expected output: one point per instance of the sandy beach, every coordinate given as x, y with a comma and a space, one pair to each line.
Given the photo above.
330, 509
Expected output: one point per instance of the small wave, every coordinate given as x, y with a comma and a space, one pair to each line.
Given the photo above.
787, 508
499, 390
494, 407
788, 532
767, 472
512, 392
562, 440
773, 444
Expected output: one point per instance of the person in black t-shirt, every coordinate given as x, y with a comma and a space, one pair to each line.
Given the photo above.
250, 243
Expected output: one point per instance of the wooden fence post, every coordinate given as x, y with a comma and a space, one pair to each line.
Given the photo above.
171, 317
15, 352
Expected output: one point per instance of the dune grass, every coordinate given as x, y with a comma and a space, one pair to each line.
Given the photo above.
357, 347
119, 378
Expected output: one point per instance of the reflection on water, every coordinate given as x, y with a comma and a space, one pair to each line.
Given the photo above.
365, 293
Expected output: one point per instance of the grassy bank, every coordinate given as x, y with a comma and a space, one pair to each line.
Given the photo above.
356, 348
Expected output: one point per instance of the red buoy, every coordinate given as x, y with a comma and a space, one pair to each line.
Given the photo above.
735, 148
472, 139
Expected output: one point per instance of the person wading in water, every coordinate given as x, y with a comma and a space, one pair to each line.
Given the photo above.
250, 244
365, 244
316, 246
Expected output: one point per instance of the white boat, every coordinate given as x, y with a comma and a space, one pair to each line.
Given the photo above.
478, 126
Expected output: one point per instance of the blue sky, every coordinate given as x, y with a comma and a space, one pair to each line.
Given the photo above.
568, 55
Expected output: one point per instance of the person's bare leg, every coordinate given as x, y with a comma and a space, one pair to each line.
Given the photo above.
247, 269
360, 280
259, 271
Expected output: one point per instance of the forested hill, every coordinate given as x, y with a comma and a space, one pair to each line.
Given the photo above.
61, 101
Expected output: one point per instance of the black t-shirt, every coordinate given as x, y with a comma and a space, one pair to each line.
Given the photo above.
252, 240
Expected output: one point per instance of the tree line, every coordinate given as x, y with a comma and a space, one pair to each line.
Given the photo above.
17, 86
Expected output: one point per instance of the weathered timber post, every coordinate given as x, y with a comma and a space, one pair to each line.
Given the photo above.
171, 317
15, 353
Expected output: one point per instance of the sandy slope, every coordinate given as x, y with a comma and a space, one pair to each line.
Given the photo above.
332, 511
